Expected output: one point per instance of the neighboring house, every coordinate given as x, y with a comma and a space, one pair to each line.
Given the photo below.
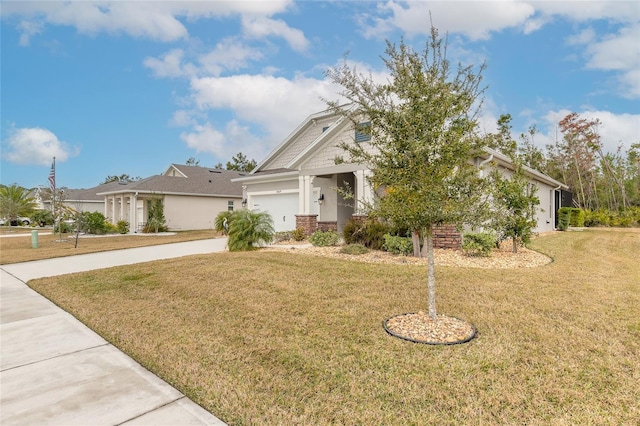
296, 183
192, 197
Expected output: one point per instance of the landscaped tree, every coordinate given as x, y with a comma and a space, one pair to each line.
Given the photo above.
192, 162
422, 122
15, 202
156, 221
514, 198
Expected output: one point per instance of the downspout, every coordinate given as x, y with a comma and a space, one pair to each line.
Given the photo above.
555, 213
482, 163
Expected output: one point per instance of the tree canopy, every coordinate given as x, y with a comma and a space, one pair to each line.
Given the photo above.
422, 122
121, 178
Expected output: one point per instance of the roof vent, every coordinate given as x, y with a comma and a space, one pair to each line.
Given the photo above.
215, 171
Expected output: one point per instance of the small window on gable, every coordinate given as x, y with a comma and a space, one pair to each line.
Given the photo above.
363, 132
230, 206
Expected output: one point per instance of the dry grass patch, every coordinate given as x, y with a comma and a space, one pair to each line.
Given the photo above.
275, 338
14, 249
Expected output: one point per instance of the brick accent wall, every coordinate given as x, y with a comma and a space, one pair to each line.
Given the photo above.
308, 222
446, 237
328, 226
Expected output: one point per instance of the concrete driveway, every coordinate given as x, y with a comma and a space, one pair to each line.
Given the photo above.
56, 371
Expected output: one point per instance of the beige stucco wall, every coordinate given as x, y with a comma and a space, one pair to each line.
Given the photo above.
192, 212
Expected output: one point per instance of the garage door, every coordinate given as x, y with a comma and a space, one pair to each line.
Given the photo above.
282, 208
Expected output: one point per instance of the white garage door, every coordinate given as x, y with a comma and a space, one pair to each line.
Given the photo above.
282, 208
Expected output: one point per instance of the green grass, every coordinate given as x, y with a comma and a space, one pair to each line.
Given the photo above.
281, 338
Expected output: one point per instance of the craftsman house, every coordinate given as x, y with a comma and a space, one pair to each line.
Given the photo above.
296, 183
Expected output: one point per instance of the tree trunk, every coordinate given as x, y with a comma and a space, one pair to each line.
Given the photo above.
415, 238
431, 276
515, 245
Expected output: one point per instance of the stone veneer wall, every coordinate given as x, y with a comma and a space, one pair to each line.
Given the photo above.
446, 237
328, 226
308, 222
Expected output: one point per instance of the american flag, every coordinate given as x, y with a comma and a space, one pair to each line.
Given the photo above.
52, 177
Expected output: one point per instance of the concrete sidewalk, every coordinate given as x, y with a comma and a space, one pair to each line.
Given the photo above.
56, 371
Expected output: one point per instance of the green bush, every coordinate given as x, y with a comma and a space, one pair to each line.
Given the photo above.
63, 227
577, 217
324, 238
478, 244
122, 227
398, 245
564, 218
298, 234
354, 249
248, 229
42, 218
369, 233
602, 217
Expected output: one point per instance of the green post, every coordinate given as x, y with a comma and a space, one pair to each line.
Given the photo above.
34, 239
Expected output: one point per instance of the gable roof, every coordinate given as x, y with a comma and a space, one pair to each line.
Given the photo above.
308, 149
187, 180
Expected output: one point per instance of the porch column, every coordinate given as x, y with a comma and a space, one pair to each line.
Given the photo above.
113, 207
121, 209
133, 217
305, 195
364, 192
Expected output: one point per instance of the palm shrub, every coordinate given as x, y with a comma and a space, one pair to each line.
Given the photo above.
155, 221
248, 229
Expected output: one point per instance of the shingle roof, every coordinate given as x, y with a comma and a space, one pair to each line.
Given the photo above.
198, 181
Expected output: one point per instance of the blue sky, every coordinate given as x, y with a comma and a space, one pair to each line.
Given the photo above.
133, 86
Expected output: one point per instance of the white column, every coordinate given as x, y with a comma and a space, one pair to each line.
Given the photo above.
364, 191
301, 194
113, 207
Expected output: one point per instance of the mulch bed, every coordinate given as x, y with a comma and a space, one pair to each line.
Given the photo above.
418, 327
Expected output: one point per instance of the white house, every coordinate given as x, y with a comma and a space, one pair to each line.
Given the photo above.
192, 197
296, 183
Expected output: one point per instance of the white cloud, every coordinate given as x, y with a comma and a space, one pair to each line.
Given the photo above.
205, 138
260, 27
478, 20
229, 54
276, 104
34, 145
615, 130
170, 65
152, 20
28, 30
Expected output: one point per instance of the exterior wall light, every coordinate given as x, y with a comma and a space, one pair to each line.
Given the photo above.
321, 199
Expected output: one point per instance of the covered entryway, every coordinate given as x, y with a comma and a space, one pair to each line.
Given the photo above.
282, 208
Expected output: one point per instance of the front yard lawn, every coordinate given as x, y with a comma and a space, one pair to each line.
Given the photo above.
280, 338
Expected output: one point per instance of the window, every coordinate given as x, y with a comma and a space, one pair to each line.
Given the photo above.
363, 132
230, 206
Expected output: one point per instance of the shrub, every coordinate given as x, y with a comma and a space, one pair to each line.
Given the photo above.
354, 249
248, 229
324, 238
298, 234
478, 244
42, 218
398, 245
577, 217
564, 218
63, 227
122, 227
369, 233
92, 223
